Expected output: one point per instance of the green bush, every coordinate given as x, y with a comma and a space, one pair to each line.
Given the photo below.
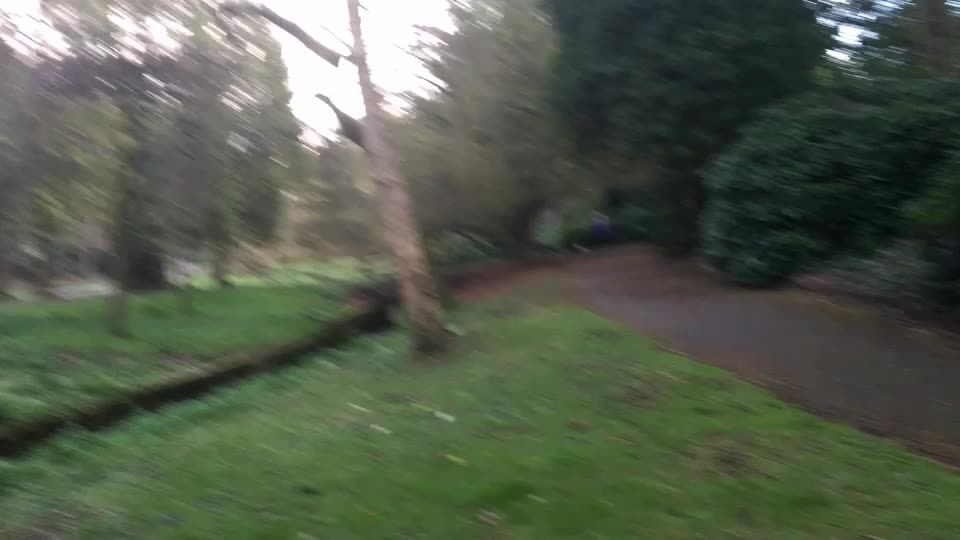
825, 174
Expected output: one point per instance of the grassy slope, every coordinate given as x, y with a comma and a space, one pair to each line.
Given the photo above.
552, 424
61, 354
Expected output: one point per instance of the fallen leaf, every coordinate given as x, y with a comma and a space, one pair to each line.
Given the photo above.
490, 518
456, 459
444, 416
455, 330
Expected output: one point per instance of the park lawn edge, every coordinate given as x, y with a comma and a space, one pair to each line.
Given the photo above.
544, 422
21, 436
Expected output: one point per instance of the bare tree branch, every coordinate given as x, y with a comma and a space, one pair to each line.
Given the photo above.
334, 35
246, 8
351, 127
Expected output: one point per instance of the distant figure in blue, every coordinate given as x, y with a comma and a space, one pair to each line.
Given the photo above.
601, 232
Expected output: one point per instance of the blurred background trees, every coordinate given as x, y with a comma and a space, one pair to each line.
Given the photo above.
487, 143
148, 132
674, 81
774, 138
854, 177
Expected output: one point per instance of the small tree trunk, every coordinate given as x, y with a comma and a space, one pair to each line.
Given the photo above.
221, 265
418, 289
118, 322
219, 231
44, 239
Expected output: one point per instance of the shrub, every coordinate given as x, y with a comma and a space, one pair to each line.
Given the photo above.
825, 174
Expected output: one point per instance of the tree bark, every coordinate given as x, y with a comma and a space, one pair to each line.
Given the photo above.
133, 256
938, 36
221, 264
418, 288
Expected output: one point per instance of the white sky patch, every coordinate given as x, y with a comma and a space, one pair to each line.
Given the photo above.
849, 35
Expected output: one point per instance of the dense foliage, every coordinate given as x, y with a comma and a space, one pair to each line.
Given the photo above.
486, 143
858, 177
335, 212
675, 80
151, 135
825, 174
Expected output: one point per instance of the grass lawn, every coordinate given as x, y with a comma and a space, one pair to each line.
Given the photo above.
544, 423
60, 354
332, 272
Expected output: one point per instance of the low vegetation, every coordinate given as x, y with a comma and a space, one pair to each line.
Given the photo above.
60, 355
546, 422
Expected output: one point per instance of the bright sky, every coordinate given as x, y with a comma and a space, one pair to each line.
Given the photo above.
389, 31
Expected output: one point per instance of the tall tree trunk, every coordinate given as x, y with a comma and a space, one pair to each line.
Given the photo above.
937, 33
219, 226
128, 211
117, 320
418, 288
138, 232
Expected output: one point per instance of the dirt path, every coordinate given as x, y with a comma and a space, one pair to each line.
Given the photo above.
837, 360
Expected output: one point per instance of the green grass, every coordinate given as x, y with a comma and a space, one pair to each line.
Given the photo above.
56, 355
544, 423
331, 272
